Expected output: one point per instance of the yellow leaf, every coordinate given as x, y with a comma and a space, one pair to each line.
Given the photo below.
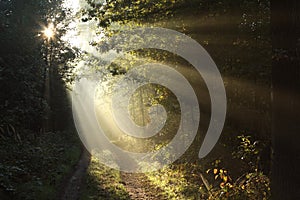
225, 178
215, 171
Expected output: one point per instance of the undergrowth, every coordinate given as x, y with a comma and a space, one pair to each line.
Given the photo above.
33, 168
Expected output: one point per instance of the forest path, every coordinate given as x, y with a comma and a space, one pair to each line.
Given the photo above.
72, 186
139, 187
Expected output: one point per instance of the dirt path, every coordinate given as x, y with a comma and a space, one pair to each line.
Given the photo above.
137, 186
73, 185
140, 188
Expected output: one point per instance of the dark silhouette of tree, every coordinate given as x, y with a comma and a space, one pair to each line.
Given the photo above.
23, 61
286, 101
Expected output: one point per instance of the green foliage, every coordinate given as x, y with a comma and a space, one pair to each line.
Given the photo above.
248, 151
175, 181
21, 86
22, 63
32, 164
153, 10
184, 180
21, 67
123, 10
249, 186
35, 168
253, 184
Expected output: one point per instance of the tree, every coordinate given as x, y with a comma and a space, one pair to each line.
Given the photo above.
286, 101
22, 65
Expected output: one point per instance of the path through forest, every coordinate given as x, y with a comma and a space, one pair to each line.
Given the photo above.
72, 186
137, 186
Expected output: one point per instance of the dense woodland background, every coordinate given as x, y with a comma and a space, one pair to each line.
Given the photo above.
255, 44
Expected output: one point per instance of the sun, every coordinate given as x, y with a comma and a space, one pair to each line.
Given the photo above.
49, 31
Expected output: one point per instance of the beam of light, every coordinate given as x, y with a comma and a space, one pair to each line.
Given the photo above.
49, 31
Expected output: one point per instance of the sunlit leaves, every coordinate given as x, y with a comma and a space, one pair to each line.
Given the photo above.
132, 10
248, 151
248, 186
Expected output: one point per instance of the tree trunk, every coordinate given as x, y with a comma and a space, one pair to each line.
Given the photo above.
285, 180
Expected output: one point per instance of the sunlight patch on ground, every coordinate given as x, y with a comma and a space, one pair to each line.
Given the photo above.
103, 182
173, 182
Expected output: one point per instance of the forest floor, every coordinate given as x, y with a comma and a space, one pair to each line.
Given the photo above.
109, 184
133, 186
173, 182
34, 168
139, 187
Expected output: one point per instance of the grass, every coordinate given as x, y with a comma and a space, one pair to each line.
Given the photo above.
103, 183
173, 182
35, 168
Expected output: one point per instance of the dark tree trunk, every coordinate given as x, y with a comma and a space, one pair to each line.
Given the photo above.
286, 102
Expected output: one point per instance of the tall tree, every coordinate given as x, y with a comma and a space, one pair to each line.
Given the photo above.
286, 101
